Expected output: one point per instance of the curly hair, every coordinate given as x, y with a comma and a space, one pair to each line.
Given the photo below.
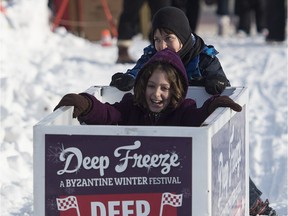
177, 88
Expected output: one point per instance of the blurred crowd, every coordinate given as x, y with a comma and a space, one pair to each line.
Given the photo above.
233, 17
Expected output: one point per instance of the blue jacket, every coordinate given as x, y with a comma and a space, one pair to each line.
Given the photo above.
203, 66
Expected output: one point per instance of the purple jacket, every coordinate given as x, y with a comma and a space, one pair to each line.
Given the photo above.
126, 113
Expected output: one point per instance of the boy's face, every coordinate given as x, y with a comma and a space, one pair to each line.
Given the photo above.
164, 40
158, 92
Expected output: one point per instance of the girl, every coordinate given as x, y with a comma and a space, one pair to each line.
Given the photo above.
159, 99
171, 29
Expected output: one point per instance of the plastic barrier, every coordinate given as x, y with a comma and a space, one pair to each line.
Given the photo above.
105, 170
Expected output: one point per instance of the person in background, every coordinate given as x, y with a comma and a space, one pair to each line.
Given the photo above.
256, 204
159, 98
223, 17
192, 10
171, 29
129, 25
245, 10
276, 20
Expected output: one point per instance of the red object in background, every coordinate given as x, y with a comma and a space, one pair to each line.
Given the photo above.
62, 13
106, 39
109, 18
2, 9
63, 17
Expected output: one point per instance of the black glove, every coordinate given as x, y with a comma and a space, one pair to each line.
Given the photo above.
122, 81
216, 85
223, 101
199, 81
81, 104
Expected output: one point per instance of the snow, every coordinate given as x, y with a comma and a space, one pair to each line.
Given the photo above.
38, 67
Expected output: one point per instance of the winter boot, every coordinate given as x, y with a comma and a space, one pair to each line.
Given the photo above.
262, 208
224, 25
123, 55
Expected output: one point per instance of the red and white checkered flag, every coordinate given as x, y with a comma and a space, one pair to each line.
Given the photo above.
174, 200
69, 202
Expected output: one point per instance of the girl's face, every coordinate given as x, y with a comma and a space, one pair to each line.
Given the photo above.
158, 94
164, 40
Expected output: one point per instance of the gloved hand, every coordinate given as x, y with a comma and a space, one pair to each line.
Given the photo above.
122, 81
223, 101
81, 103
216, 85
199, 81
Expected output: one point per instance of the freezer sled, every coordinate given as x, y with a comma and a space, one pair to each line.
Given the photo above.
143, 170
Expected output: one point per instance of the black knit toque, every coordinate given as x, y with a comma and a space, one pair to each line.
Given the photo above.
173, 19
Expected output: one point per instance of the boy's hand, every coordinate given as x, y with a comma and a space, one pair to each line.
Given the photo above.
123, 82
216, 85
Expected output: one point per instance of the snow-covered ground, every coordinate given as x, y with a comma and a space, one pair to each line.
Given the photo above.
37, 67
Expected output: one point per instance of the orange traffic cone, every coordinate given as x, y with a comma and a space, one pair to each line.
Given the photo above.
106, 39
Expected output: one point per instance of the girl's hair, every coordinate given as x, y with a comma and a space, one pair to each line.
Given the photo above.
175, 80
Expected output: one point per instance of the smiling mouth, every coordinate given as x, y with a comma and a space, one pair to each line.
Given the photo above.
157, 102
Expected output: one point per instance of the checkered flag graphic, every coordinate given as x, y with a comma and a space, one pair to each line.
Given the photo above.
174, 200
69, 202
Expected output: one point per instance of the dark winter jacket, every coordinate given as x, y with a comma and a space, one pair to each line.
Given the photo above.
200, 62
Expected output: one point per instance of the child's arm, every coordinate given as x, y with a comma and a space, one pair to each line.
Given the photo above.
125, 81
